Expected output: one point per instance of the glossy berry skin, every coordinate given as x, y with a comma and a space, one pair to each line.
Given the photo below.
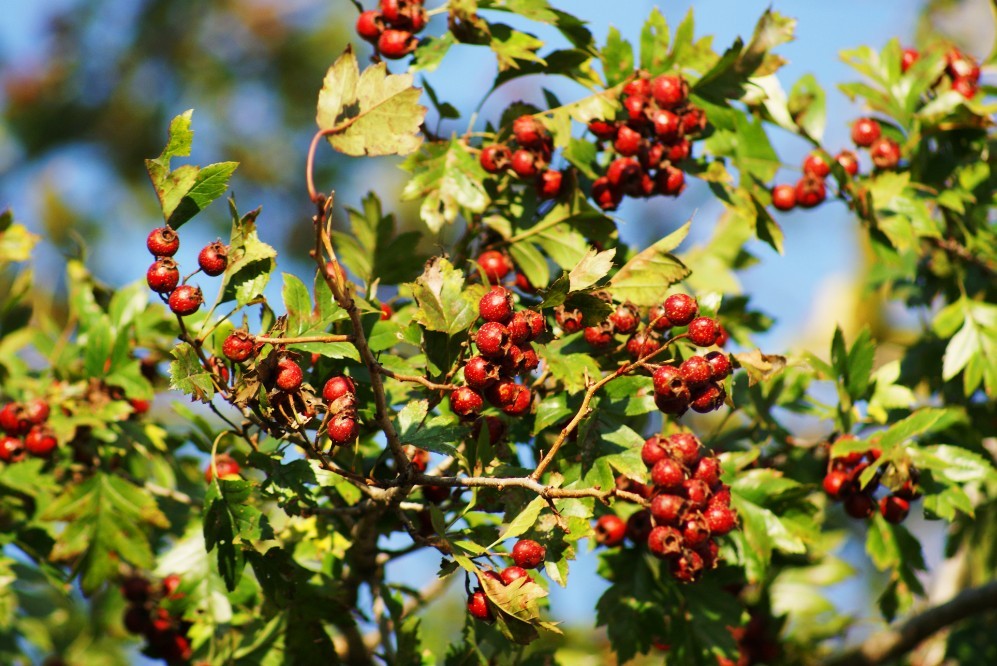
288, 375
894, 509
668, 383
336, 387
669, 90
694, 120
599, 337
720, 365
370, 26
669, 181
652, 451
528, 554
708, 471
696, 371
396, 44
816, 165
708, 399
510, 575
685, 448
213, 258
865, 131
11, 449
226, 467
688, 567
642, 345
495, 158
667, 125
965, 87
885, 153
667, 509
238, 346
664, 541
386, 312
681, 309
163, 275
480, 373
163, 242
603, 129
625, 319
40, 442
703, 331
635, 106
628, 141
536, 322
529, 132
907, 60
836, 484
610, 530
695, 531
623, 171
492, 339
477, 606
606, 196
524, 164
849, 161
549, 184
519, 402
697, 493
657, 319
569, 320
859, 505
496, 305
680, 150
185, 300
720, 520
343, 429
668, 475
784, 197
36, 411
495, 265
465, 401
810, 192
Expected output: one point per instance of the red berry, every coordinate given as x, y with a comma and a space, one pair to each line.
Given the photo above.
894, 509
685, 448
171, 583
625, 319
494, 425
681, 309
708, 471
784, 197
849, 161
529, 132
722, 338
496, 305
40, 441
492, 339
163, 275
213, 258
603, 129
289, 375
697, 493
721, 499
657, 319
569, 320
680, 150
909, 57
628, 141
720, 520
693, 120
961, 66
708, 399
477, 606
688, 567
370, 26
510, 575
669, 181
163, 242
519, 402
36, 411
238, 346
667, 125
395, 44
11, 449
639, 526
634, 105
495, 265
606, 196
549, 184
495, 158
865, 131
638, 85
668, 475
642, 345
523, 284
336, 387
480, 373
599, 337
140, 406
610, 530
885, 153
908, 490
414, 17
528, 554
859, 505
667, 509
343, 428
810, 192
816, 165
225, 465
670, 90
703, 331
652, 451
622, 172
836, 484
185, 300
720, 365
696, 371
465, 401
664, 541
668, 383
965, 87
536, 322
695, 531
391, 10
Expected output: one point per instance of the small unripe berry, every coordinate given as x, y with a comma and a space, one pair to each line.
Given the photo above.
510, 575
703, 331
11, 449
213, 259
40, 441
495, 265
664, 541
369, 25
238, 346
495, 158
696, 371
668, 475
477, 606
784, 197
395, 44
681, 309
816, 165
885, 153
226, 467
343, 428
185, 300
163, 275
667, 509
496, 305
465, 401
336, 387
529, 132
528, 554
163, 242
865, 131
288, 375
670, 90
894, 509
610, 530
492, 339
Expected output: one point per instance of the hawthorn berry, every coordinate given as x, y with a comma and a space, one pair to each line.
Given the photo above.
528, 554
642, 344
784, 197
529, 132
163, 275
696, 492
14, 419
708, 399
288, 375
496, 305
622, 171
684, 447
510, 575
666, 509
628, 141
495, 265
860, 505
681, 309
603, 129
635, 105
885, 153
908, 58
549, 184
639, 85
693, 120
965, 87
639, 526
708, 471
667, 125
657, 319
396, 44
570, 321
536, 321
687, 567
336, 387
492, 339
625, 319
670, 90
664, 541
816, 165
11, 449
680, 150
720, 520
960, 66
226, 466
524, 164
477, 606
213, 258
703, 331
606, 196
523, 284
849, 161
695, 531
652, 451
436, 494
370, 25
836, 484
495, 158
610, 530
136, 589
343, 428
668, 383
37, 411
163, 242
599, 337
465, 401
865, 131
668, 475
894, 509
40, 441
238, 346
669, 181
185, 300
696, 371
810, 192
518, 402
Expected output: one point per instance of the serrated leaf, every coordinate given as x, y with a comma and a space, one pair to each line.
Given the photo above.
522, 523
188, 375
617, 58
444, 304
654, 39
250, 262
446, 177
644, 280
232, 524
512, 47
806, 105
373, 113
531, 263
593, 267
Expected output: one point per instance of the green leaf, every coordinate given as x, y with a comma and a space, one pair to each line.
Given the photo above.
617, 58
531, 263
807, 107
522, 523
654, 39
298, 304
232, 524
444, 304
860, 360
644, 280
593, 267
446, 177
16, 242
373, 113
250, 261
188, 375
512, 47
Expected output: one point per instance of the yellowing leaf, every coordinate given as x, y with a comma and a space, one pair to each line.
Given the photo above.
645, 279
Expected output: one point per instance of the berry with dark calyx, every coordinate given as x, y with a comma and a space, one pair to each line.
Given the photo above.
667, 125
36, 411
697, 493
908, 58
669, 181
495, 158
336, 387
653, 156
185, 300
696, 371
492, 339
836, 484
599, 337
693, 120
849, 161
685, 448
721, 498
720, 520
965, 87
163, 242
642, 345
343, 428
396, 44
610, 530
605, 195
524, 164
708, 399
510, 575
639, 526
668, 475
680, 150
695, 531
708, 471
668, 383
688, 567
238, 346
667, 509
288, 375
163, 275
495, 265
415, 17
784, 197
657, 319
530, 361
816, 165
213, 258
885, 153
11, 449
681, 309
40, 442
622, 172
810, 192
865, 131
477, 606
669, 90
226, 466
369, 25
894, 509
860, 505
652, 451
625, 319
908, 490
958, 65
536, 321
528, 554
628, 141
703, 331
465, 401
480, 373
664, 541
496, 305
549, 184
720, 365
569, 320
529, 132
519, 400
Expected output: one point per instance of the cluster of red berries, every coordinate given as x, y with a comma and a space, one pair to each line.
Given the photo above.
340, 395
529, 159
165, 634
651, 136
163, 275
504, 351
392, 28
526, 554
962, 72
841, 483
688, 506
25, 431
810, 190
